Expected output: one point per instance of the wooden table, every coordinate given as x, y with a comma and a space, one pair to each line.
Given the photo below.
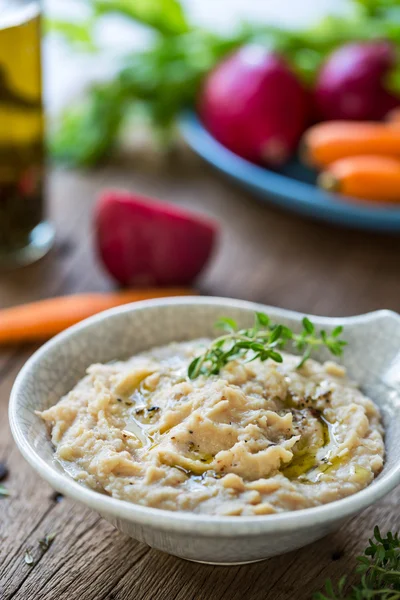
264, 255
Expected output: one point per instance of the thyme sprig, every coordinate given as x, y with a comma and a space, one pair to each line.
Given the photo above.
378, 570
262, 341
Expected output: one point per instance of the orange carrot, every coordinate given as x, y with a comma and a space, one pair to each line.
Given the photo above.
326, 142
369, 177
40, 320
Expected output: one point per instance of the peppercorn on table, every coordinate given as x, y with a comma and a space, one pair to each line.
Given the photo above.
265, 255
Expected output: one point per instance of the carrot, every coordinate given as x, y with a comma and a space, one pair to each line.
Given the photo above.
369, 177
40, 320
324, 143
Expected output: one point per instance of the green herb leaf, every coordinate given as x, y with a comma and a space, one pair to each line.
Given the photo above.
337, 331
287, 334
194, 368
305, 357
308, 326
262, 319
276, 334
275, 356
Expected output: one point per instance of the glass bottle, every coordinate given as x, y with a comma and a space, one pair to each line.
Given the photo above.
25, 235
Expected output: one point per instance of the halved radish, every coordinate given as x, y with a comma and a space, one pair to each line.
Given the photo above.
142, 241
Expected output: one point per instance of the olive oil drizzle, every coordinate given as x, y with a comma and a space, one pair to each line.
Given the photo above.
305, 467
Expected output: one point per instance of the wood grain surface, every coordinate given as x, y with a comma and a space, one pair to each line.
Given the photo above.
264, 255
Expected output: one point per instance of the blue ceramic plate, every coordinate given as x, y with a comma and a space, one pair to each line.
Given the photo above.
292, 187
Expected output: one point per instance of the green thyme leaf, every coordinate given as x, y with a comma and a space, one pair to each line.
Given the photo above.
262, 319
305, 357
337, 331
276, 334
308, 326
275, 356
194, 368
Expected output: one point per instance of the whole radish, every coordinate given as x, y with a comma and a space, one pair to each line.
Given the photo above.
350, 85
254, 105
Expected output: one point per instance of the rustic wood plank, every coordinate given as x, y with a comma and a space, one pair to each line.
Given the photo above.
264, 255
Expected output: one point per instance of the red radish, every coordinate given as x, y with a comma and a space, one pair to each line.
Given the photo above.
254, 105
142, 241
350, 83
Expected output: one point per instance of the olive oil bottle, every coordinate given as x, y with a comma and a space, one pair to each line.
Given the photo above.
24, 234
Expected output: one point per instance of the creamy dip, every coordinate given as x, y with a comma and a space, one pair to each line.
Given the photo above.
256, 439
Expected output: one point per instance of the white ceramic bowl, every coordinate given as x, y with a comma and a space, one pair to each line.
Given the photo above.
372, 358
